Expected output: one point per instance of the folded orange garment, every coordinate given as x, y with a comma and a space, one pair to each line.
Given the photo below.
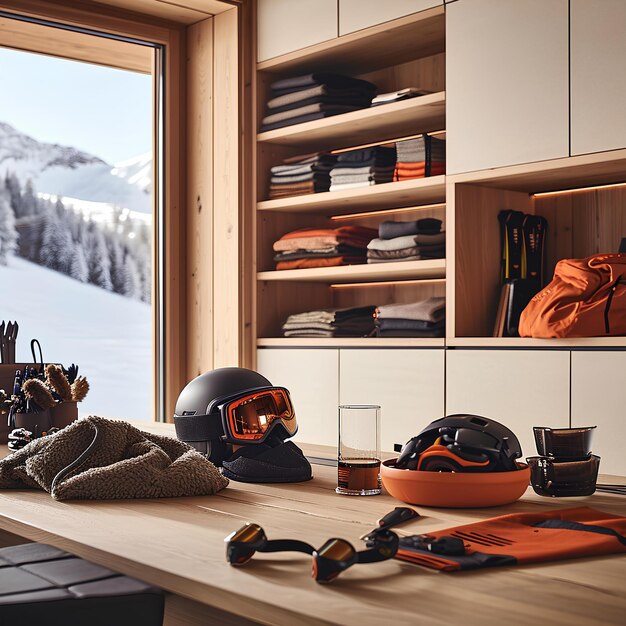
317, 238
523, 538
334, 261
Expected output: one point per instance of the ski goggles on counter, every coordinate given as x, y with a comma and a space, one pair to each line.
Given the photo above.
335, 555
251, 416
246, 417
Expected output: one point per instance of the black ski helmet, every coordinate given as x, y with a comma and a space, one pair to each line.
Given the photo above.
194, 401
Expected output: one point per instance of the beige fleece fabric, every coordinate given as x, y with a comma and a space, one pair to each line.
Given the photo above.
124, 462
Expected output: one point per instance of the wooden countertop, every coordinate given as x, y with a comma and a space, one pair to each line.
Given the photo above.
177, 544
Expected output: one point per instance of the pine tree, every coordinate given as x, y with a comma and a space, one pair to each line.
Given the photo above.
29, 199
12, 185
118, 270
78, 267
132, 283
8, 233
98, 261
57, 245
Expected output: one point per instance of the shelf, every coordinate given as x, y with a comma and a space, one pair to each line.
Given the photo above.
530, 342
400, 270
386, 196
601, 168
388, 121
414, 36
349, 342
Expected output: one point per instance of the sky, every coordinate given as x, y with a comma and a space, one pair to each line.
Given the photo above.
103, 111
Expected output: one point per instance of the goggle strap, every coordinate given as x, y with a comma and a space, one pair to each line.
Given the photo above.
287, 545
198, 427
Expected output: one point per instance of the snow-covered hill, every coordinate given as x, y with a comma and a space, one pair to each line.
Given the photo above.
65, 171
107, 335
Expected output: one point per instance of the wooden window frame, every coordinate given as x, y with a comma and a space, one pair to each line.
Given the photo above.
170, 340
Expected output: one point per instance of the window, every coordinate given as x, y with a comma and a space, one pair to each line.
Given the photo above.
76, 222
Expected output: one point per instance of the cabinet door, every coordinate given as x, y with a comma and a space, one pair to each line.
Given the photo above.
598, 53
599, 398
358, 14
507, 93
312, 377
520, 388
407, 384
284, 25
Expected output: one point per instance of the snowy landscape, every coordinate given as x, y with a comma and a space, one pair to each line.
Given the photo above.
75, 266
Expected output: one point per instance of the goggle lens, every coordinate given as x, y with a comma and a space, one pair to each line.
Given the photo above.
336, 550
239, 545
252, 416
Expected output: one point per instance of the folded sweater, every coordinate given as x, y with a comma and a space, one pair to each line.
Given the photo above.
430, 310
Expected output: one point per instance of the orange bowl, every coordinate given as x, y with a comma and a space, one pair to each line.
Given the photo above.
452, 489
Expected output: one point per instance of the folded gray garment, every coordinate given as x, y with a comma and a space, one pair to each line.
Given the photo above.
407, 241
353, 171
431, 310
307, 110
397, 260
325, 316
116, 461
309, 333
299, 178
343, 186
378, 178
393, 255
403, 324
292, 170
307, 326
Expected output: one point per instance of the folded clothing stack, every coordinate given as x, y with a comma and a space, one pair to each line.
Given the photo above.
315, 96
354, 322
363, 167
407, 241
420, 157
301, 175
322, 247
426, 318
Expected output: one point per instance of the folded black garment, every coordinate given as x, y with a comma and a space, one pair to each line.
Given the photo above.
398, 323
438, 252
341, 315
335, 81
329, 109
437, 332
357, 101
320, 115
391, 229
376, 153
340, 250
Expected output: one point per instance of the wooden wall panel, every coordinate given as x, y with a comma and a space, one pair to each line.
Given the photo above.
477, 252
199, 214
227, 264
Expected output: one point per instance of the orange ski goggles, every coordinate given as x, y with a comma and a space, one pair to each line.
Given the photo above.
250, 417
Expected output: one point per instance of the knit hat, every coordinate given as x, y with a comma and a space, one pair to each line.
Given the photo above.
100, 459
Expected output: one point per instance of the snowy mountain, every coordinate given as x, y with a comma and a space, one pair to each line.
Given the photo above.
65, 171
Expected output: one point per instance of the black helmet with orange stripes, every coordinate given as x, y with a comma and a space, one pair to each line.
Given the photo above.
461, 443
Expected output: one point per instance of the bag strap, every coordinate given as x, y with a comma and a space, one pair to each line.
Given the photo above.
607, 308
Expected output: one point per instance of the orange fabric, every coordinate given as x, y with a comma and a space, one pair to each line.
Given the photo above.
406, 171
342, 231
575, 302
318, 238
333, 261
518, 536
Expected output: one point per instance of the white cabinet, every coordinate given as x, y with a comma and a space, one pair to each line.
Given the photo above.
407, 384
507, 95
358, 14
520, 388
286, 25
312, 377
598, 54
599, 398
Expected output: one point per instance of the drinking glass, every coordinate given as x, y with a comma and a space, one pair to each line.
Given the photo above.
359, 450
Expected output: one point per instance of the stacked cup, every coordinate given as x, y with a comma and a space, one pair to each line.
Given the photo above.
565, 466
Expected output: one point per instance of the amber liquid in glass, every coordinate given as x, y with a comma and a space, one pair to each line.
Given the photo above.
358, 476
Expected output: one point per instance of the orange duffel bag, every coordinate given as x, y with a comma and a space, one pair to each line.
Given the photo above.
586, 298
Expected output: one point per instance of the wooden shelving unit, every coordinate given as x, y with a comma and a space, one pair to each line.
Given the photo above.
407, 52
387, 121
401, 270
387, 196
